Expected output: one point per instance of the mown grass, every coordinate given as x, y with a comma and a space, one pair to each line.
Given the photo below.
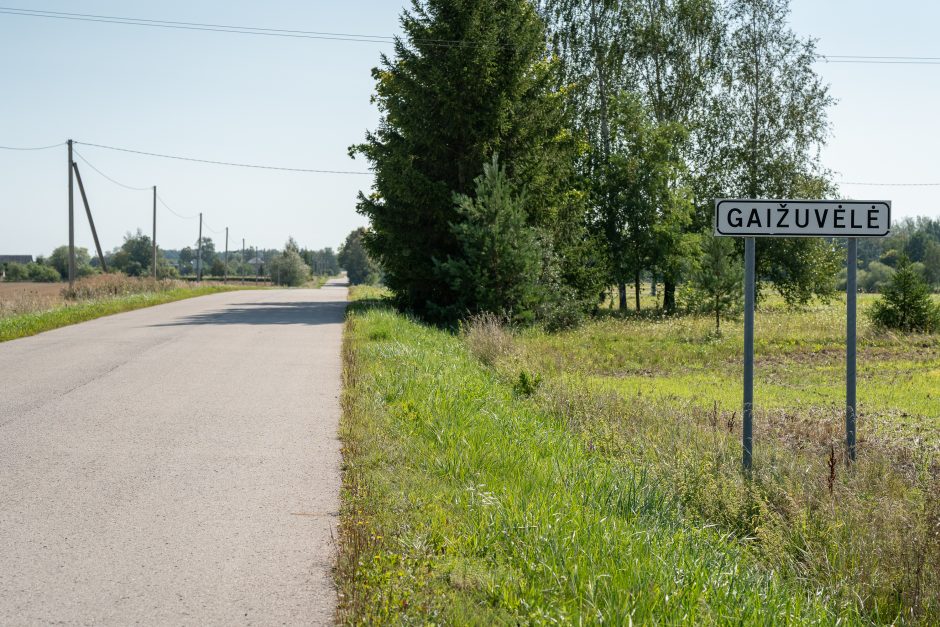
27, 324
479, 491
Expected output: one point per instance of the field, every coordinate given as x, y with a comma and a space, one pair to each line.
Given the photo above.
30, 308
27, 297
594, 475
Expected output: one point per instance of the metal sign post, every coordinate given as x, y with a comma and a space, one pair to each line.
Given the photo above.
750, 218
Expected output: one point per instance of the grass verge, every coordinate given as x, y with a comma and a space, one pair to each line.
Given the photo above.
27, 324
469, 499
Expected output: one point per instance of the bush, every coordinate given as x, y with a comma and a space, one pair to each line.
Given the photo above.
906, 304
42, 273
16, 272
288, 268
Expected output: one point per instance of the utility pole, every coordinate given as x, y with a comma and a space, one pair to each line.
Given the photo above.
91, 221
241, 271
199, 253
71, 222
154, 231
225, 272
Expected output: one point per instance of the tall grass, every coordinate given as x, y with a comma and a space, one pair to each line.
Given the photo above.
469, 499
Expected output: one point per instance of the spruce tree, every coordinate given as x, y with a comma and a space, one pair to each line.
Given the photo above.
906, 304
469, 80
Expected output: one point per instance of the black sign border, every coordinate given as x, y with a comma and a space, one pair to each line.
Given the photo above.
720, 201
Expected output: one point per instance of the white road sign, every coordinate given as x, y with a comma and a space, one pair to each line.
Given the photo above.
802, 218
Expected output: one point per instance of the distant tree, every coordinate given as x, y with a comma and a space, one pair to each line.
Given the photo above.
218, 268
354, 258
135, 256
876, 277
932, 262
497, 264
322, 262
717, 281
59, 259
42, 273
186, 258
906, 304
288, 267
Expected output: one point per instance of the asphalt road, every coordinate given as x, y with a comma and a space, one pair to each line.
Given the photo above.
174, 465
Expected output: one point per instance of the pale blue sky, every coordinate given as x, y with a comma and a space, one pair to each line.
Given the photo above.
301, 102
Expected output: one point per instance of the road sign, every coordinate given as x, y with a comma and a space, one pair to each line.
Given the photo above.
802, 218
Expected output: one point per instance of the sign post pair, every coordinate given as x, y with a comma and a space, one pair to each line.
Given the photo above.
750, 219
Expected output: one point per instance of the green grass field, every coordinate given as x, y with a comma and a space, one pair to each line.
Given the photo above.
593, 476
800, 366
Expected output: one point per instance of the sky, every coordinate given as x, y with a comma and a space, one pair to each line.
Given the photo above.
300, 103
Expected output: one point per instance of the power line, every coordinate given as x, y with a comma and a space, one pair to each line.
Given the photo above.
225, 163
178, 215
36, 148
90, 165
889, 184
240, 30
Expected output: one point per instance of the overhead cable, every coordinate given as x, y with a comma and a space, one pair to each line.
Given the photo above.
224, 163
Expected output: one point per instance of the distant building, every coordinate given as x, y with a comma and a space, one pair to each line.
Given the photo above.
24, 259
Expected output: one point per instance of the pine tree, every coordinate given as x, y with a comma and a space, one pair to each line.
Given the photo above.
718, 280
497, 265
906, 304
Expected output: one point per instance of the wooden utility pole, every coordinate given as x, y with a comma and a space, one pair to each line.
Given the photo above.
154, 231
199, 252
225, 272
91, 222
71, 222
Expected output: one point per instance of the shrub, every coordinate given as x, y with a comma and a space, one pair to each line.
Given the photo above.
16, 272
42, 273
905, 304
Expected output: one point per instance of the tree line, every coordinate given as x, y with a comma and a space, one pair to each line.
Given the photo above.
291, 265
532, 154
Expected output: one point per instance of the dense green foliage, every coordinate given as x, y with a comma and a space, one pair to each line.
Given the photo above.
739, 83
905, 303
354, 258
446, 111
59, 259
496, 265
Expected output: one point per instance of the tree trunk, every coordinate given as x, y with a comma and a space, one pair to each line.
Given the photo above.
717, 317
669, 296
636, 283
622, 293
